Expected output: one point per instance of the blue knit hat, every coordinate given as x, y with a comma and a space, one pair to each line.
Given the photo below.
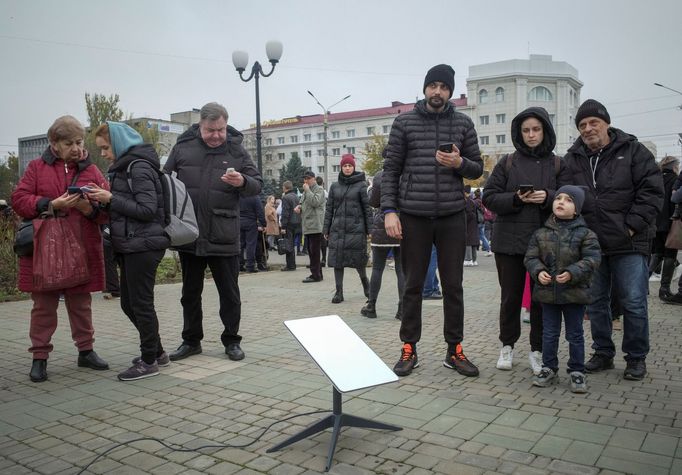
576, 193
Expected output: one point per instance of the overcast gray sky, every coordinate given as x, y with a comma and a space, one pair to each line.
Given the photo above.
166, 56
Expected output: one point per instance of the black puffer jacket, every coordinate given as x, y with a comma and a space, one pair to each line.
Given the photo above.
516, 221
562, 246
379, 235
626, 194
289, 218
347, 221
663, 218
137, 215
414, 182
216, 203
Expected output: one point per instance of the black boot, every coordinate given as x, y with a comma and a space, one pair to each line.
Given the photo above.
399, 313
38, 372
667, 272
654, 263
369, 310
365, 286
338, 296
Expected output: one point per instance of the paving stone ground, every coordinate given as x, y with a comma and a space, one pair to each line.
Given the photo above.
495, 423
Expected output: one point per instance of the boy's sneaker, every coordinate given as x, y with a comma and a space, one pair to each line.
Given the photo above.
578, 384
546, 378
598, 362
535, 360
163, 360
139, 371
635, 370
455, 359
506, 356
408, 360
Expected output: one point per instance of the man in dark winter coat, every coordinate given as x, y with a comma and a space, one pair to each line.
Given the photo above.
624, 195
216, 169
430, 150
290, 222
251, 220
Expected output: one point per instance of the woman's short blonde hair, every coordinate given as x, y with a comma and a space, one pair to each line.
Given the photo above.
65, 127
103, 131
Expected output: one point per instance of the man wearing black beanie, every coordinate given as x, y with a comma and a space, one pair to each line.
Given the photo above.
430, 150
624, 195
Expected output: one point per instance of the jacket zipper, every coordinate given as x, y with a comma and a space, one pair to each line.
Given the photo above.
436, 165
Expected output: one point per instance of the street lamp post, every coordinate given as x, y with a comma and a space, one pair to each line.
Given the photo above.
240, 59
325, 123
679, 140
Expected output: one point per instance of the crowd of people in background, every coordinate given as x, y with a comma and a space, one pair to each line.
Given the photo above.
581, 234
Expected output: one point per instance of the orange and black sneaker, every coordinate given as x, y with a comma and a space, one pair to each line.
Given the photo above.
408, 360
455, 359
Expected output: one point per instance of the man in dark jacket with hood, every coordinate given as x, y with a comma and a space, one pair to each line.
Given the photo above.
430, 150
216, 169
624, 195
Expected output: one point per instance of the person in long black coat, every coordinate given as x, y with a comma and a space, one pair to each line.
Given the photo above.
472, 241
347, 223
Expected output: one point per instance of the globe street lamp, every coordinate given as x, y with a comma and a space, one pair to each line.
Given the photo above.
326, 111
240, 59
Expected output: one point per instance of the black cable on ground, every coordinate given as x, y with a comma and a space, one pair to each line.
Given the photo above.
179, 448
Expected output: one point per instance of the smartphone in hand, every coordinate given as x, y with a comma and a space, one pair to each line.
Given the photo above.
523, 189
446, 147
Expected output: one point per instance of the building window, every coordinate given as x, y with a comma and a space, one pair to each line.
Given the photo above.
268, 141
268, 172
482, 96
320, 169
320, 152
268, 157
336, 134
350, 133
336, 168
500, 118
484, 140
280, 140
320, 136
336, 152
280, 156
540, 93
484, 120
350, 150
370, 130
294, 154
500, 138
294, 138
386, 129
306, 137
499, 94
307, 153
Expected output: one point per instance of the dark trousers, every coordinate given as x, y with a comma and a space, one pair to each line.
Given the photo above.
138, 275
511, 274
249, 240
573, 321
313, 242
225, 271
261, 251
447, 233
323, 247
111, 271
379, 256
291, 251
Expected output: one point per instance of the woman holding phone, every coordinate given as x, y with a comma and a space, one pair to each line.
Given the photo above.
520, 190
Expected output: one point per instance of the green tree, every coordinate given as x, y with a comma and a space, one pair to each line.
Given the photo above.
270, 187
9, 175
293, 171
100, 109
373, 149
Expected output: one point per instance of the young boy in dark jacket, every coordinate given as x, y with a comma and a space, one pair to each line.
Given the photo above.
562, 257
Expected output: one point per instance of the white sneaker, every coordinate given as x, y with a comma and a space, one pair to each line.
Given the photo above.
468, 263
474, 263
525, 316
535, 360
655, 277
506, 356
677, 272
489, 253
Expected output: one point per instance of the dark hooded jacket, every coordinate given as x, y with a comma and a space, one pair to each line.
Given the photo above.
516, 221
625, 194
216, 203
379, 235
347, 221
663, 218
414, 182
137, 214
562, 246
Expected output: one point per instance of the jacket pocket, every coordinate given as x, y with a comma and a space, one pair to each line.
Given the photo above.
224, 226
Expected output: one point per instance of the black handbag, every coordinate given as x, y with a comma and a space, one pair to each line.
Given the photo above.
284, 245
23, 239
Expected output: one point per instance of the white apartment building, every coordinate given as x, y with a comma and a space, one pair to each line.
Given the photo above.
496, 92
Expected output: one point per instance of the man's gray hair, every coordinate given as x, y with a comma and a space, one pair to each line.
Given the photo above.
213, 111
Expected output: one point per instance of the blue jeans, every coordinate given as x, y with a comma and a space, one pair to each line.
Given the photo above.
431, 281
482, 238
551, 331
629, 275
